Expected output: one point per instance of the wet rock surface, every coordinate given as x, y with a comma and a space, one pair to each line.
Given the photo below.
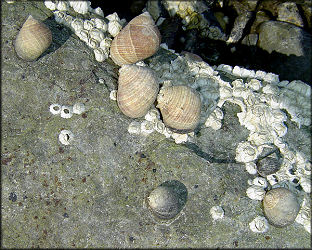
91, 192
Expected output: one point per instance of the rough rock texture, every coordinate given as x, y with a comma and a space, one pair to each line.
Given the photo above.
290, 44
91, 193
284, 38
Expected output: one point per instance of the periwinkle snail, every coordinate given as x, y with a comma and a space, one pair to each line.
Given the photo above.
32, 40
167, 200
137, 90
180, 107
280, 207
138, 40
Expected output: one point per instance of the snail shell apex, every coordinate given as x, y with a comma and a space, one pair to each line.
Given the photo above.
138, 40
137, 90
280, 207
180, 107
32, 40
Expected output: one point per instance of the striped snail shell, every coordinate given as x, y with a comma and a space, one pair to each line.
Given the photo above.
180, 107
280, 207
32, 40
138, 40
137, 90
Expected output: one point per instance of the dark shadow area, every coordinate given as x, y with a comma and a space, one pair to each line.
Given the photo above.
180, 189
124, 9
60, 34
197, 150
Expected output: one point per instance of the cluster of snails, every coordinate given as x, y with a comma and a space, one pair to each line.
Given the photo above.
138, 86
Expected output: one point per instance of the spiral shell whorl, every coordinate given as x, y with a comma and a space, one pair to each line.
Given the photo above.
137, 90
271, 199
32, 40
180, 107
138, 40
280, 207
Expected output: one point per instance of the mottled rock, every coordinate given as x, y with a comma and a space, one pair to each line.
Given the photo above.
261, 16
288, 12
284, 38
239, 26
250, 39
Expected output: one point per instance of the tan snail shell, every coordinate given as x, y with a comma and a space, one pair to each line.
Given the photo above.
32, 40
280, 207
137, 90
138, 40
180, 107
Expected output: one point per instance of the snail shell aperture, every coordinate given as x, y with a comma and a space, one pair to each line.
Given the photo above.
32, 40
137, 90
138, 40
280, 207
180, 107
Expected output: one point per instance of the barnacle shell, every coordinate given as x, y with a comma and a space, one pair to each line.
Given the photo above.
180, 107
259, 225
66, 111
280, 207
217, 212
138, 40
66, 137
55, 109
32, 40
137, 90
79, 108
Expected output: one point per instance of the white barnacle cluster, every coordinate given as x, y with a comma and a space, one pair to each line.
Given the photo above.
256, 191
304, 215
264, 102
246, 73
295, 170
66, 137
97, 32
152, 122
259, 225
214, 120
66, 111
216, 212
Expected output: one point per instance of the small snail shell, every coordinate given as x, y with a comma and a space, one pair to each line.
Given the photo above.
32, 40
163, 201
138, 40
180, 107
280, 207
268, 165
137, 90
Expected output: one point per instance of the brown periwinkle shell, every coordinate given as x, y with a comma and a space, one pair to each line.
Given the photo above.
138, 40
180, 107
280, 207
137, 90
32, 40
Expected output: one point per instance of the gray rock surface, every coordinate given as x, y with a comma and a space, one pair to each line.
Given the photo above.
91, 193
284, 38
288, 12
